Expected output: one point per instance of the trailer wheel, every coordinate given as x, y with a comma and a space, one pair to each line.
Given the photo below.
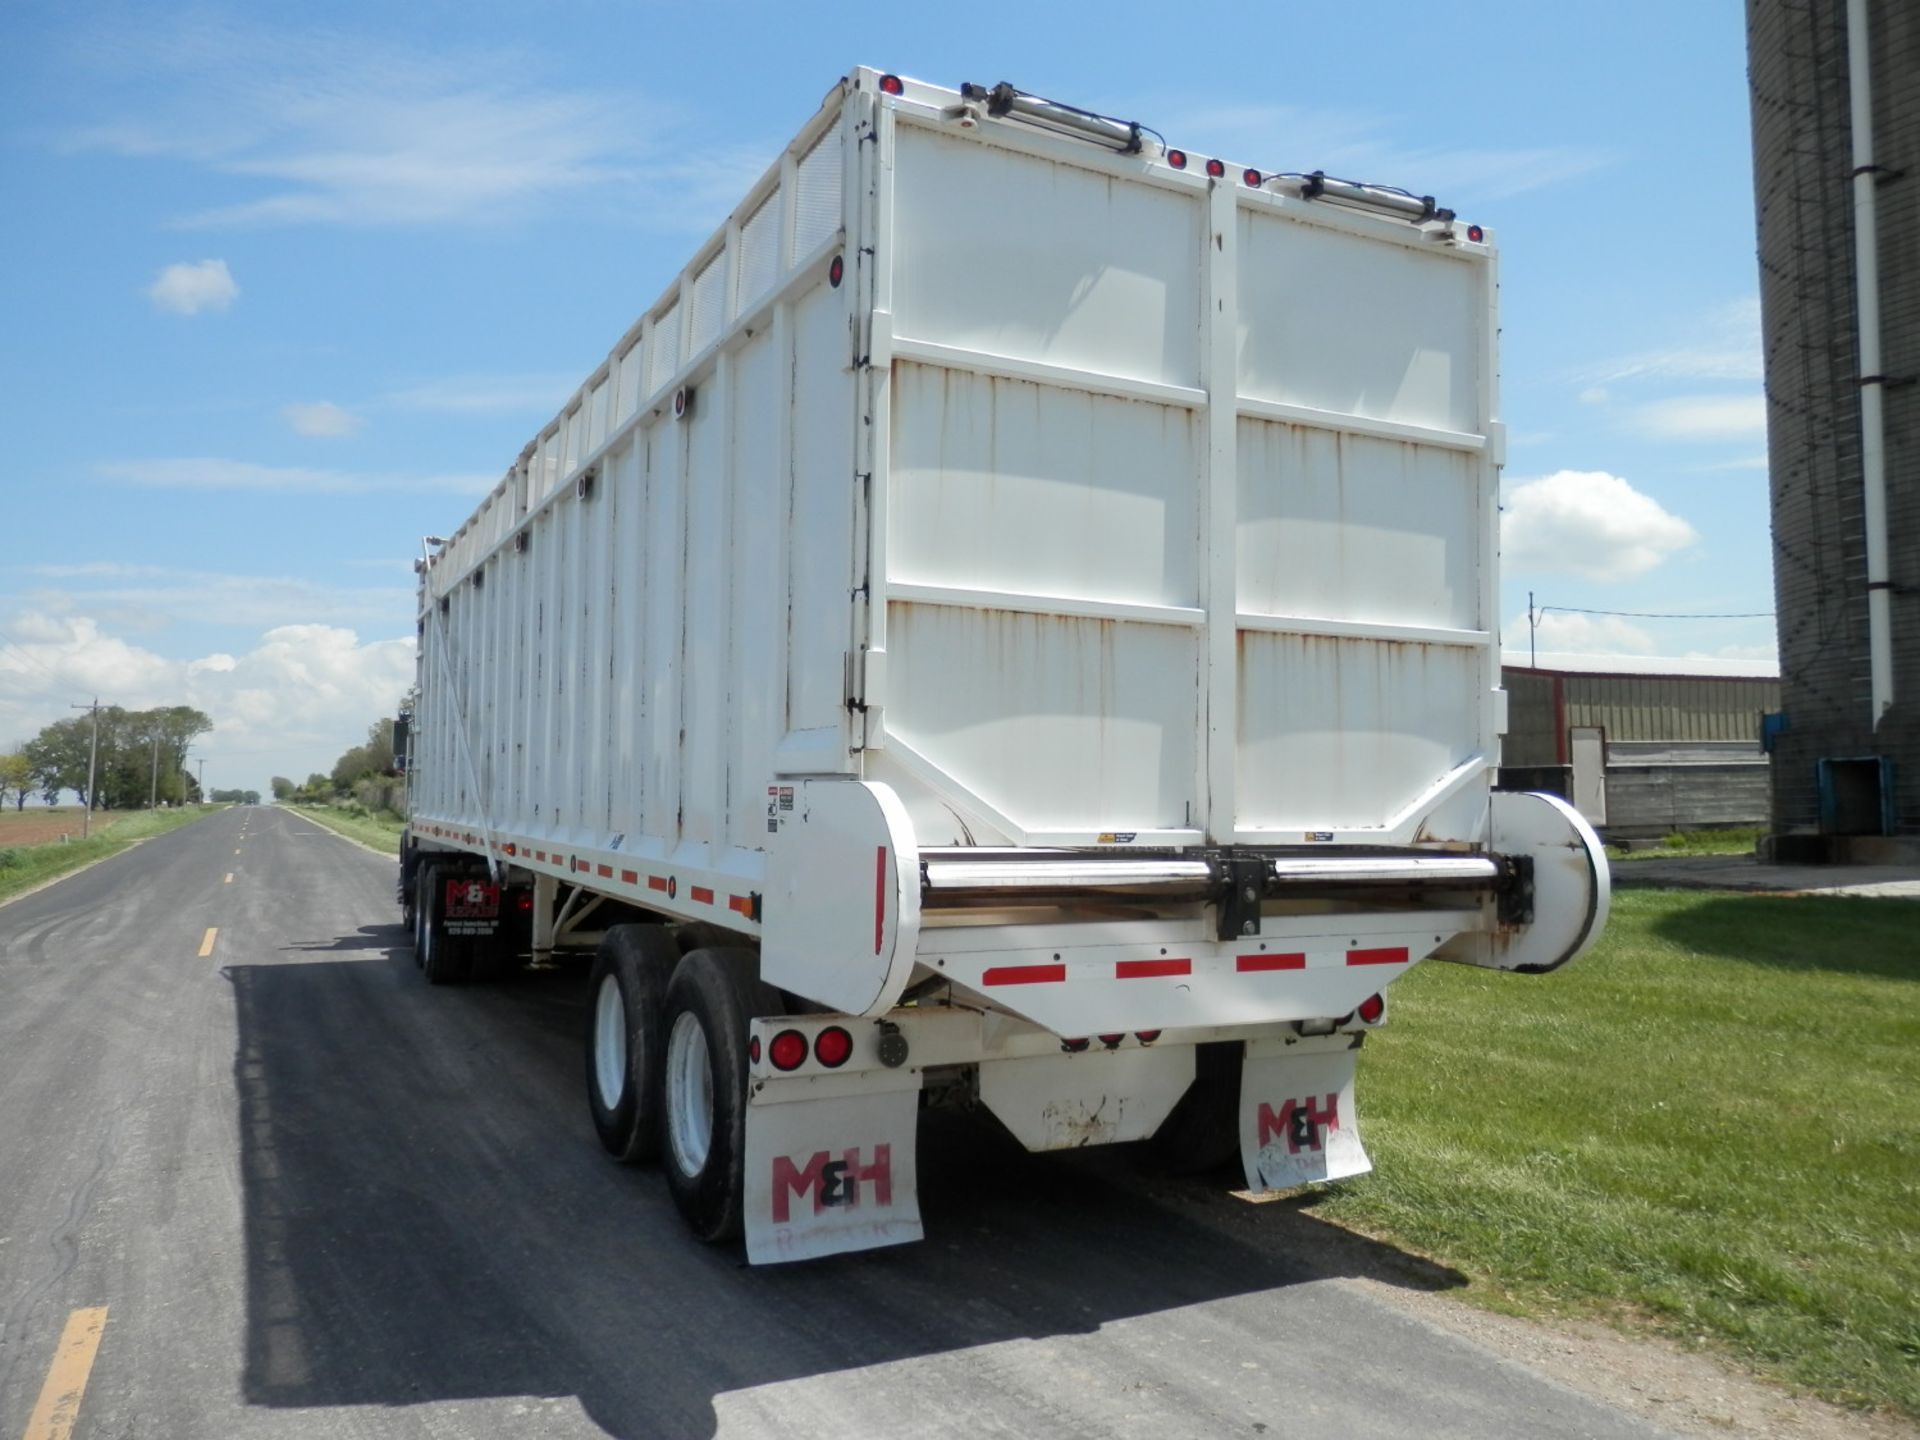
445, 958
627, 996
1202, 1132
425, 877
710, 1000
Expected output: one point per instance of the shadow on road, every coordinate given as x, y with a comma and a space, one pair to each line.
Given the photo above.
429, 1218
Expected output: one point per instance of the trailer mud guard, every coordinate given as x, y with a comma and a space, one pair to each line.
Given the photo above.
831, 1165
1297, 1118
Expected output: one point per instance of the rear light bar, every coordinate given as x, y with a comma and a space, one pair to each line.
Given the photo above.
1003, 101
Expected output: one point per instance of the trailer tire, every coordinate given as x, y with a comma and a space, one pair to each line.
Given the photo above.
444, 958
710, 1000
424, 879
625, 1037
1202, 1132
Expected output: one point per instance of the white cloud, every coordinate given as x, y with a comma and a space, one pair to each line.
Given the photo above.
1587, 523
324, 126
1705, 417
149, 597
1580, 635
1723, 344
1360, 145
187, 289
290, 705
214, 473
321, 417
1594, 395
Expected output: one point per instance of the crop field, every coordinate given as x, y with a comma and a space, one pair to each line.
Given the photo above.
38, 845
38, 824
1706, 1127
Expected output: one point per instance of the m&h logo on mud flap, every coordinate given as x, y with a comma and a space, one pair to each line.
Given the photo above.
1301, 1122
831, 1182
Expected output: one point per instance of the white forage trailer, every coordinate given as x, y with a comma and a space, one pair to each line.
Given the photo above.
1013, 624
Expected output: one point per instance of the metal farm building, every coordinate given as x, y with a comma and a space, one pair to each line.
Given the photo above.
1642, 753
1836, 134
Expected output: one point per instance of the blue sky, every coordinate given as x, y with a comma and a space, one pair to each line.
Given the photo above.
283, 288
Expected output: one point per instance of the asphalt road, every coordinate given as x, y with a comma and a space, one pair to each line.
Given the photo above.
317, 1197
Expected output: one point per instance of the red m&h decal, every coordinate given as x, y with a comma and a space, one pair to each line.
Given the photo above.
831, 1182
1300, 1121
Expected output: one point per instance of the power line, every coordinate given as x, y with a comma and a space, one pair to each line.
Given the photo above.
1660, 614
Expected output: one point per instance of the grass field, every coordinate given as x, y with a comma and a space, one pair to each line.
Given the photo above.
32, 852
1693, 842
380, 829
1708, 1126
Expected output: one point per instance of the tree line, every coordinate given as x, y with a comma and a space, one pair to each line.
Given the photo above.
364, 774
141, 758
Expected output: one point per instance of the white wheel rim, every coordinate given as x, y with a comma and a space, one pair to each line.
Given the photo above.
689, 1095
610, 1043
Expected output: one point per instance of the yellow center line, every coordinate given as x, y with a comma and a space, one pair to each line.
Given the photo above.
59, 1404
206, 945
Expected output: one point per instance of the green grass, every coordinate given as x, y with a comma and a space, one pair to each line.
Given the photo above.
1708, 1125
377, 828
22, 867
1693, 842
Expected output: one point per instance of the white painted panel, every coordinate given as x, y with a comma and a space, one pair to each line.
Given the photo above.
1008, 485
1057, 723
666, 545
817, 197
1344, 733
665, 349
759, 252
755, 712
709, 303
1358, 326
626, 484
1042, 260
1344, 527
820, 541
597, 414
703, 716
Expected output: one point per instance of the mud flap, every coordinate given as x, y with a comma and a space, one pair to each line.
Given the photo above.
830, 1166
1297, 1120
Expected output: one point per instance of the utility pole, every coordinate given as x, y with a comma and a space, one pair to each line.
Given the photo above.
1533, 636
93, 760
202, 763
153, 791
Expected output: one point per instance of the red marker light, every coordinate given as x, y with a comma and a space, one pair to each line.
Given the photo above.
788, 1050
1253, 178
832, 1047
753, 1050
1073, 1047
1177, 159
1112, 1042
1216, 168
836, 271
1146, 1037
891, 85
1372, 1008
1476, 234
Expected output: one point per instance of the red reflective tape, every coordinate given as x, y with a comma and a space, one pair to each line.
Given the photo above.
1388, 955
1293, 961
1023, 974
1147, 969
629, 877
605, 871
656, 882
880, 898
741, 905
702, 894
